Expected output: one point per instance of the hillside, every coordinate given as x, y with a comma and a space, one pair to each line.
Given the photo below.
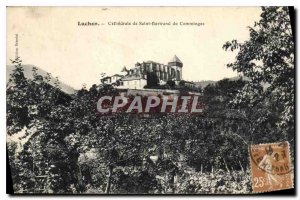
204, 83
28, 74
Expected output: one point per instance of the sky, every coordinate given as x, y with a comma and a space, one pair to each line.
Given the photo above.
50, 38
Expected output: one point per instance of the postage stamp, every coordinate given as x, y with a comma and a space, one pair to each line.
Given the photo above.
271, 167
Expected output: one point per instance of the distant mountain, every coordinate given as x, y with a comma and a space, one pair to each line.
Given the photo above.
28, 74
204, 83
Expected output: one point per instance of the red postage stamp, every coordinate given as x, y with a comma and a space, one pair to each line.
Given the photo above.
271, 167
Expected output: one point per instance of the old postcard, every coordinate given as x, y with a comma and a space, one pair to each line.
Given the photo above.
150, 100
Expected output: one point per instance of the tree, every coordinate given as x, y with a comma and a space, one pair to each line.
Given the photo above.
18, 99
267, 60
171, 83
181, 83
128, 154
38, 108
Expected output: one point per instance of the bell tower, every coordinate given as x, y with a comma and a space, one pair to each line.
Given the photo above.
176, 64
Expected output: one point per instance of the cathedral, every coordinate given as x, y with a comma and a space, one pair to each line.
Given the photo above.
136, 78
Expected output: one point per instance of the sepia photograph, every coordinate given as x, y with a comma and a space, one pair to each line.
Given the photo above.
150, 100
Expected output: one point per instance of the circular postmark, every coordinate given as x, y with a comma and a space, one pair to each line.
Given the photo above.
271, 158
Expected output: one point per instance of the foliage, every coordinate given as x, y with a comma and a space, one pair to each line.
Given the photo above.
70, 148
171, 83
270, 69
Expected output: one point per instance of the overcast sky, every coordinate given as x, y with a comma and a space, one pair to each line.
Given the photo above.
51, 39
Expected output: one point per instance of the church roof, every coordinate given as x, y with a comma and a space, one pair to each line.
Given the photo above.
175, 59
124, 69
